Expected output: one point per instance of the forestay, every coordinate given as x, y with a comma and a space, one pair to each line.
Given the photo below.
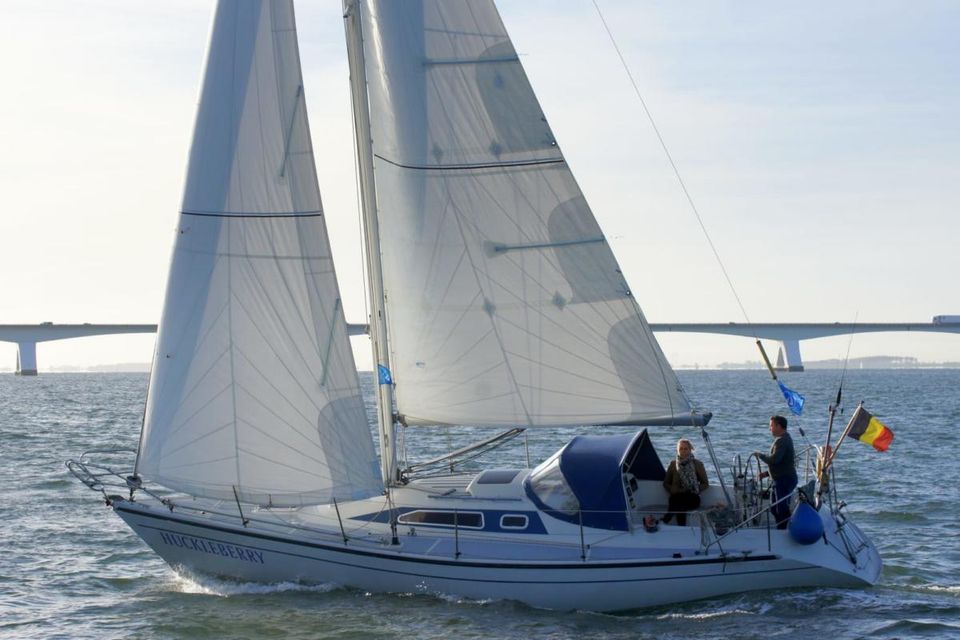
254, 386
504, 301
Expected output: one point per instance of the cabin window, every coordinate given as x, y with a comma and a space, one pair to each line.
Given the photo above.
551, 488
513, 521
465, 519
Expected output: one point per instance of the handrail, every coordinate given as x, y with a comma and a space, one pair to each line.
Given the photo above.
745, 523
101, 477
93, 474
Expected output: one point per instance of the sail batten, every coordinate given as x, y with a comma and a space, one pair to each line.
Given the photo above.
471, 167
506, 305
254, 391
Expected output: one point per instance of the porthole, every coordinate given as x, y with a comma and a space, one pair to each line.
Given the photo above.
514, 521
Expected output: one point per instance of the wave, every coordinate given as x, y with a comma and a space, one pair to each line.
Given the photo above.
915, 628
904, 517
710, 609
204, 585
953, 590
455, 599
710, 615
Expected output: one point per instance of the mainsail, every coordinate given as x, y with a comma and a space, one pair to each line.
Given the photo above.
505, 304
254, 387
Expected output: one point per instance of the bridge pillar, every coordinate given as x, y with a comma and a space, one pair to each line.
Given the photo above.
26, 358
791, 349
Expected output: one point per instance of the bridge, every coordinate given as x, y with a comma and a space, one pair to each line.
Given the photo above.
788, 334
28, 335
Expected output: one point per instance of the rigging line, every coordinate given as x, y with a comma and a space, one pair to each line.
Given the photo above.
146, 404
673, 165
235, 121
846, 359
370, 521
229, 352
836, 406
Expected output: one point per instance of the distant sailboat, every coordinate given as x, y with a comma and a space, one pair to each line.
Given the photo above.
496, 301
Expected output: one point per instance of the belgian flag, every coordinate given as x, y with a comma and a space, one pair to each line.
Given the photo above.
865, 428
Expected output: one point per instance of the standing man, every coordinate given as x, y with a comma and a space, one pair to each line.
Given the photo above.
783, 470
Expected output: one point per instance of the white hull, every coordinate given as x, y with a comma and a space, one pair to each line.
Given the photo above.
608, 579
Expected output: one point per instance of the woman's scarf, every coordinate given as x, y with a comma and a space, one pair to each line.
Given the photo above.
688, 474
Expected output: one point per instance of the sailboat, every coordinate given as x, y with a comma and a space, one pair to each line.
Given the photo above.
495, 301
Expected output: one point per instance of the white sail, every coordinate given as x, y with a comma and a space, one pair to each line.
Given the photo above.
504, 302
254, 387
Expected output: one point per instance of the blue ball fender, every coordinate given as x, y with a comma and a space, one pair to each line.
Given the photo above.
805, 526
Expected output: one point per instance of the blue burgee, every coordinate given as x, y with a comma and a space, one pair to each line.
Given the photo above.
794, 400
386, 378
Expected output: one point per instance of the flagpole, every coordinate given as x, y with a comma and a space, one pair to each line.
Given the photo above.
766, 359
844, 435
828, 454
846, 431
826, 457
833, 412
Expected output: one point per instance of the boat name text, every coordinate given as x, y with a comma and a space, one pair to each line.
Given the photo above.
214, 548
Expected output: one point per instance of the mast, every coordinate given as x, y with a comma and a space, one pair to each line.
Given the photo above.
368, 193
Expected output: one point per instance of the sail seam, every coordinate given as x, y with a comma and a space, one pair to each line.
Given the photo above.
472, 166
264, 214
426, 327
292, 427
610, 306
169, 453
505, 210
199, 343
293, 380
293, 121
476, 271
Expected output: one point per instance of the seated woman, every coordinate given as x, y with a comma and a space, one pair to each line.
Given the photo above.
686, 479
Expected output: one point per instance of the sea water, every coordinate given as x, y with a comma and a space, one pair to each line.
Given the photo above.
69, 568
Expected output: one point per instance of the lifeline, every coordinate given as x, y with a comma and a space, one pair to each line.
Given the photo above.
214, 548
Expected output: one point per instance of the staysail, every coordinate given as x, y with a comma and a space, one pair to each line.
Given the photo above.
254, 387
505, 304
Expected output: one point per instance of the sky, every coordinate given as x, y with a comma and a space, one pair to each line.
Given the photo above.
819, 141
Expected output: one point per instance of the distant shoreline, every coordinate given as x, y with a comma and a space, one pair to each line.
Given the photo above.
868, 362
